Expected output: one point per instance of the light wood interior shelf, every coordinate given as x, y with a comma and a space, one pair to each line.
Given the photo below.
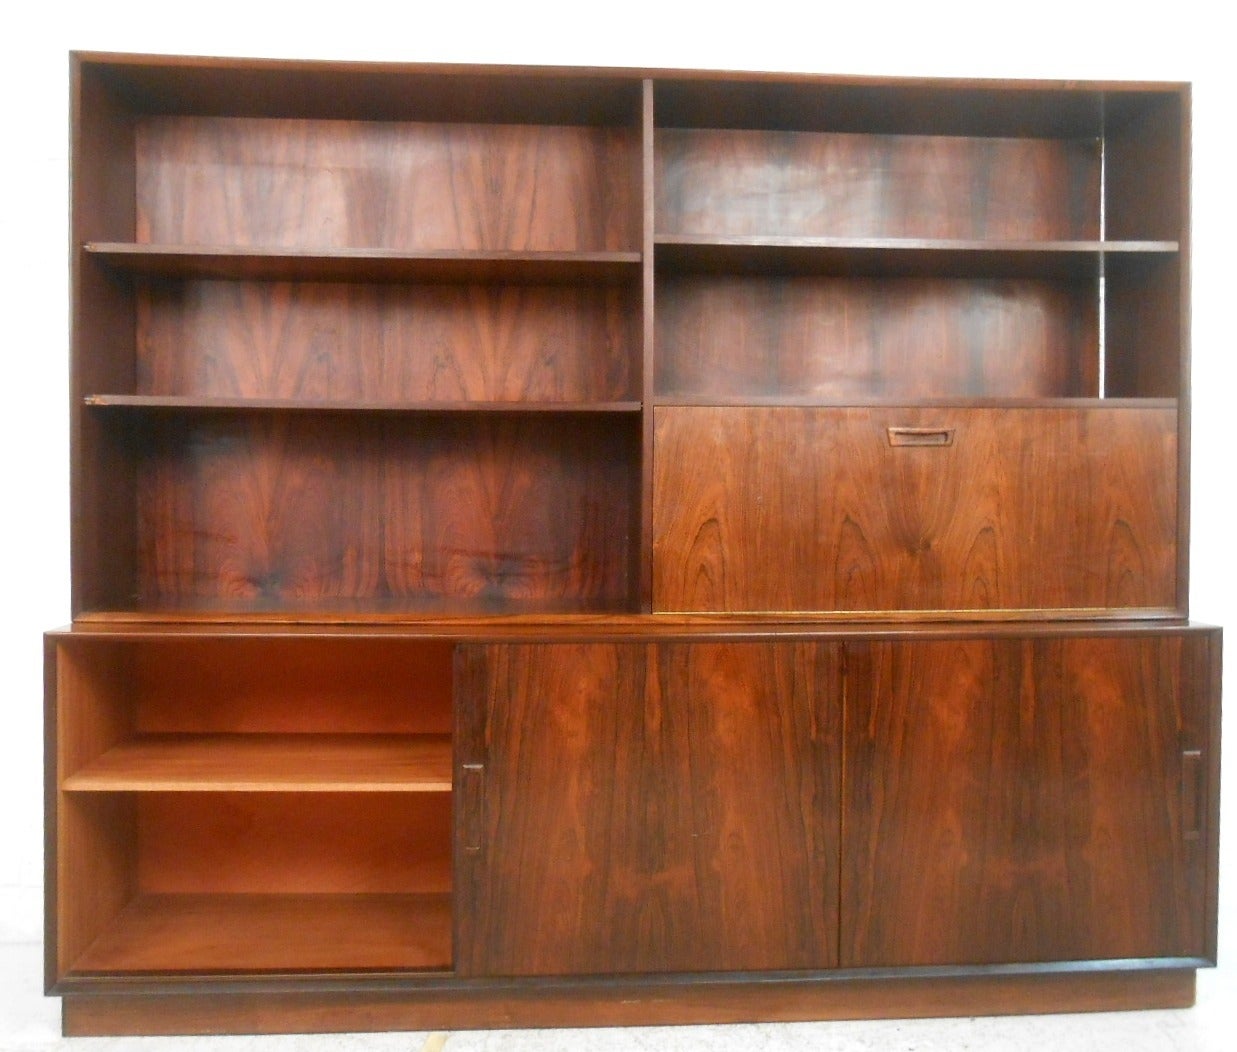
300, 763
246, 933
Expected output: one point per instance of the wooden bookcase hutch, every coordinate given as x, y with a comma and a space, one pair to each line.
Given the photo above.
580, 546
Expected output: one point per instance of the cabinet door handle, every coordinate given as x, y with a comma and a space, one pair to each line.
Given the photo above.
1191, 793
472, 797
921, 436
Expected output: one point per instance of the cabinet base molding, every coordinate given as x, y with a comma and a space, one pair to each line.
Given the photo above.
624, 1004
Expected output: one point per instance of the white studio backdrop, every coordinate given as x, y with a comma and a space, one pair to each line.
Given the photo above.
962, 38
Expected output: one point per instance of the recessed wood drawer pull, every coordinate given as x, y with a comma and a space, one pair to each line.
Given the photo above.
1191, 793
921, 436
472, 798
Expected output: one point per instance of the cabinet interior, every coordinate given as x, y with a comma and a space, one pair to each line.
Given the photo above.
255, 804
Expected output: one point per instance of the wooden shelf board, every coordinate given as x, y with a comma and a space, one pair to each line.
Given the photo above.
245, 933
270, 763
365, 609
912, 257
959, 402
211, 403
128, 625
109, 627
243, 263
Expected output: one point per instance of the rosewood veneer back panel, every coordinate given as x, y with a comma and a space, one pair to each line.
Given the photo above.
387, 343
499, 510
746, 183
731, 337
360, 184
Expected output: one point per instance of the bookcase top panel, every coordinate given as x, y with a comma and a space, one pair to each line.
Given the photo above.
599, 95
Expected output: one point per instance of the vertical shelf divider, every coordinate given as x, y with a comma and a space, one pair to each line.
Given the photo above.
648, 302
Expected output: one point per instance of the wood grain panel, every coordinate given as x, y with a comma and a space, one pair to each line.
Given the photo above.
92, 837
103, 525
94, 703
500, 510
853, 337
515, 511
241, 933
661, 808
1017, 801
814, 509
96, 869
368, 184
51, 812
102, 334
1147, 159
389, 343
1146, 345
367, 90
287, 843
1148, 702
725, 182
884, 105
260, 507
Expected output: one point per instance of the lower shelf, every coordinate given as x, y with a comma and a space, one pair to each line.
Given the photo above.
240, 933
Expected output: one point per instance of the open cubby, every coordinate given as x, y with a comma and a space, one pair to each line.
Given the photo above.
258, 714
350, 299
535, 530
738, 337
734, 183
331, 184
883, 241
417, 344
256, 803
493, 513
271, 881
116, 692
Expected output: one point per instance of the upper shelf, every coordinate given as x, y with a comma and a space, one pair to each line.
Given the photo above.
900, 106
219, 404
385, 91
223, 262
155, 84
682, 252
902, 256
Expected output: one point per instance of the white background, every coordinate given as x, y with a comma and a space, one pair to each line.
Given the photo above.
1044, 38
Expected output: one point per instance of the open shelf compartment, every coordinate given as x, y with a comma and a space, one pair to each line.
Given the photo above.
238, 882
221, 792
240, 933
360, 514
834, 241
